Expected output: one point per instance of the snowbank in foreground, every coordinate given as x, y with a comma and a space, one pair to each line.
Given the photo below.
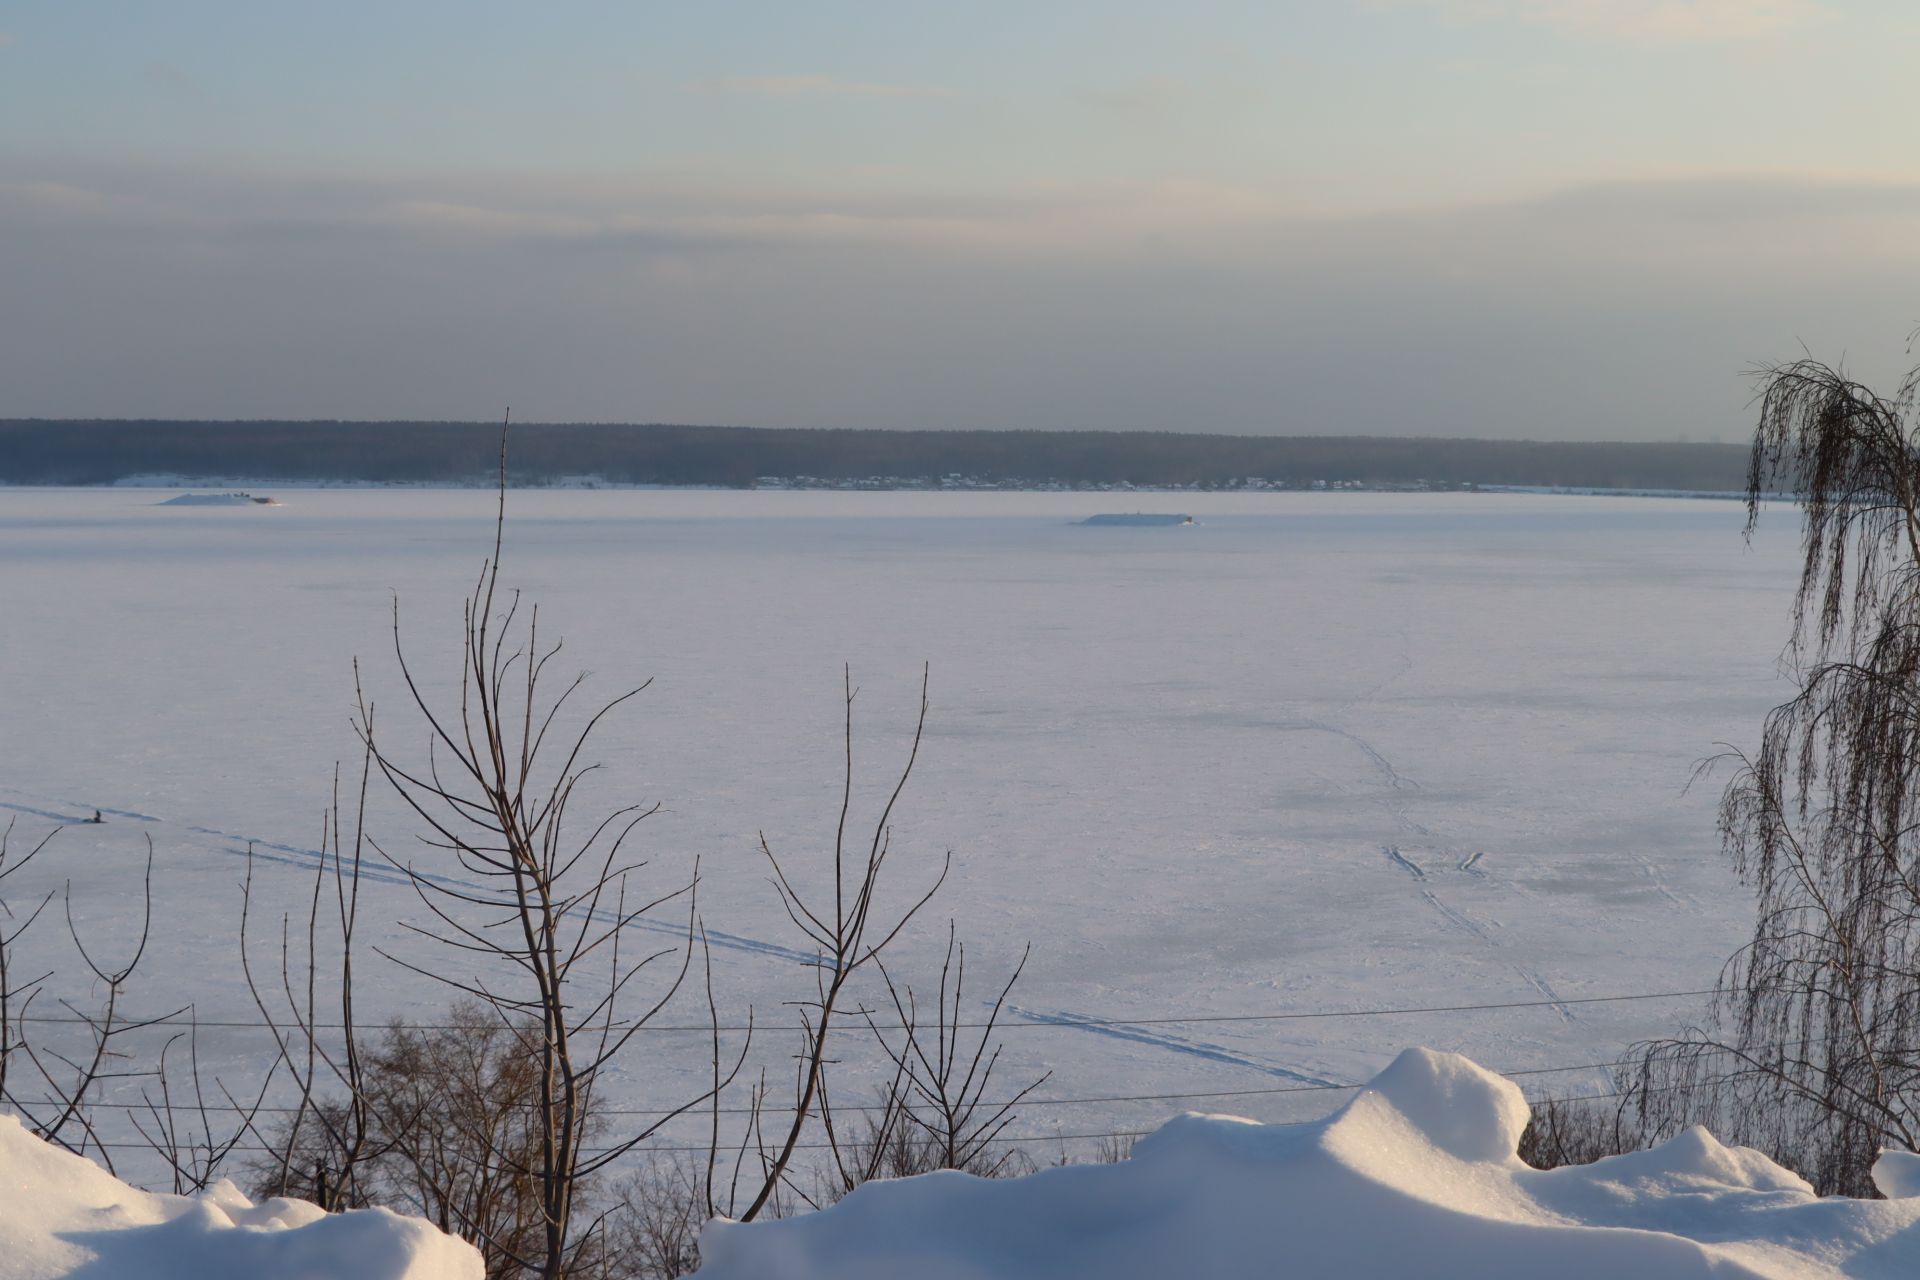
1416, 1177
62, 1216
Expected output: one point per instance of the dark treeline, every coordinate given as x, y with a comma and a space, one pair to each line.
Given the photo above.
37, 451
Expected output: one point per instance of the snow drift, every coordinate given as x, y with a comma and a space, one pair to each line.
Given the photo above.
62, 1216
1416, 1177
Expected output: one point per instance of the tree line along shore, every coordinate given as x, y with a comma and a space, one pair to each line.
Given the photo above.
88, 452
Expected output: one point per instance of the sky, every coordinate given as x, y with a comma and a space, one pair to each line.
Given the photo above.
1586, 219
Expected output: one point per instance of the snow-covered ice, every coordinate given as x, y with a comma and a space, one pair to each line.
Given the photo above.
65, 1218
1415, 1179
1317, 753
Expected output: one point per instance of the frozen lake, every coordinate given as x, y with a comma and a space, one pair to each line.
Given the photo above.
1317, 752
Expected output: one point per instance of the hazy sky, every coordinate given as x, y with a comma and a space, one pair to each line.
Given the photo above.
1552, 218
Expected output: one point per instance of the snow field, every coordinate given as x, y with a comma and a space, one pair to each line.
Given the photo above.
1316, 753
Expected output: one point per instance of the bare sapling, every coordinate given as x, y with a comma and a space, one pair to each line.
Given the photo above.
67, 1079
17, 991
945, 1074
846, 936
320, 1151
194, 1135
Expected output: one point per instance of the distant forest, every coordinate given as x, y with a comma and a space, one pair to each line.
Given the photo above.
77, 452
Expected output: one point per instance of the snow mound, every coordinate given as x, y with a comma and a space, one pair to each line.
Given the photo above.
1897, 1174
62, 1216
1416, 1177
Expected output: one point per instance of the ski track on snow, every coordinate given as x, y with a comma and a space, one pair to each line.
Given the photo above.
1406, 864
1394, 778
1468, 863
64, 819
1166, 1040
1660, 886
308, 860
240, 846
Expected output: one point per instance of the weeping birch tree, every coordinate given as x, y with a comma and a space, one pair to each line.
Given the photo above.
1813, 1047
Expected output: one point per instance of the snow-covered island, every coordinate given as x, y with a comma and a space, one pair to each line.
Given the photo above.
1139, 519
219, 500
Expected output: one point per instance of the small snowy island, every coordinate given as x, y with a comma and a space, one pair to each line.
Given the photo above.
219, 500
1147, 519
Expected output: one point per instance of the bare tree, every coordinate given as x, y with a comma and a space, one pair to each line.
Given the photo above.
528, 917
1813, 1050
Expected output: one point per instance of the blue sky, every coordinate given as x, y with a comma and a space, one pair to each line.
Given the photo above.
917, 214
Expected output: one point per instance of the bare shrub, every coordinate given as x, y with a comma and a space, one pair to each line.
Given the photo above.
944, 1075
1573, 1131
454, 1135
654, 1220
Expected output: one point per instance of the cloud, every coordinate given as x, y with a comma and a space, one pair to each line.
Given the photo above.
623, 214
814, 87
1599, 312
8, 38
1675, 222
1645, 21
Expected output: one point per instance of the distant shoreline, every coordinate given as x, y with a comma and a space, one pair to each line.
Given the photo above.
466, 455
182, 484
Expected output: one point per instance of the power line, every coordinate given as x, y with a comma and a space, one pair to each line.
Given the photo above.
998, 1139
1064, 1022
189, 1108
